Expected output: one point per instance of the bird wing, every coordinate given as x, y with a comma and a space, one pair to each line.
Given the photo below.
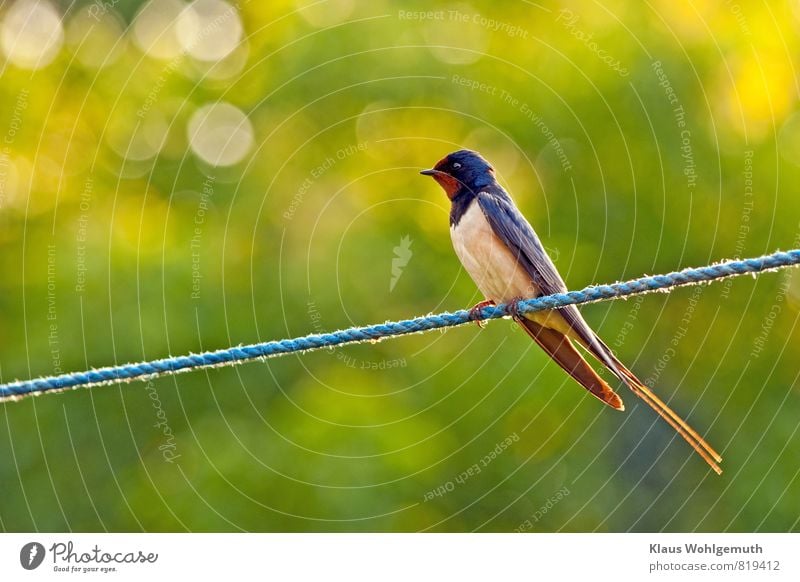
560, 349
517, 234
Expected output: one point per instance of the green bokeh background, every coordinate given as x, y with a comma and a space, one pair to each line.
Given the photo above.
353, 440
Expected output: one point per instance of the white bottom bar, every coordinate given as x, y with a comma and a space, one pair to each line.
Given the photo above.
402, 557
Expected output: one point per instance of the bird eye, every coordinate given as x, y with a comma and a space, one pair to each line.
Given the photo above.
456, 166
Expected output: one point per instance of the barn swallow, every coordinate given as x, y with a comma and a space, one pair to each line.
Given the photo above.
501, 252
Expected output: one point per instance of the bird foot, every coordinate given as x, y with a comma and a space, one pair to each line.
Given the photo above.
475, 312
513, 308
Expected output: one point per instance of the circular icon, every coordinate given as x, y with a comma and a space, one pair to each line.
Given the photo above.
31, 555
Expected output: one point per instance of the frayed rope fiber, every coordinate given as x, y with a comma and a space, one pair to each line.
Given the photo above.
239, 354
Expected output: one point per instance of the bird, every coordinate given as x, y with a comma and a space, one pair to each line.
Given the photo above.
505, 258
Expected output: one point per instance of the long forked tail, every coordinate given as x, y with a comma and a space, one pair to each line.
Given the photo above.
559, 347
697, 442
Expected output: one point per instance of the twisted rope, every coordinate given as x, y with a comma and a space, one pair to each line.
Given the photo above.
239, 354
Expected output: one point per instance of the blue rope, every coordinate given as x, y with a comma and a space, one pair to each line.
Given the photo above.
235, 355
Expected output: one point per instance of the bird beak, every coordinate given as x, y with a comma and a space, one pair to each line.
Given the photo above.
429, 172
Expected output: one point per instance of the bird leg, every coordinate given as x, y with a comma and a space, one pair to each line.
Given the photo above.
475, 312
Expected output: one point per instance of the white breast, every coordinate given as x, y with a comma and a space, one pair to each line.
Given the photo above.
491, 265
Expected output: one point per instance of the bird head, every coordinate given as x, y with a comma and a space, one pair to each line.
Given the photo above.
461, 170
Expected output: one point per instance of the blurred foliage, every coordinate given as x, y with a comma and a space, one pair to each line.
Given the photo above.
121, 240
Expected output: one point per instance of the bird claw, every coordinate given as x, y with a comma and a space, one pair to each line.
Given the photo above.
475, 312
513, 308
